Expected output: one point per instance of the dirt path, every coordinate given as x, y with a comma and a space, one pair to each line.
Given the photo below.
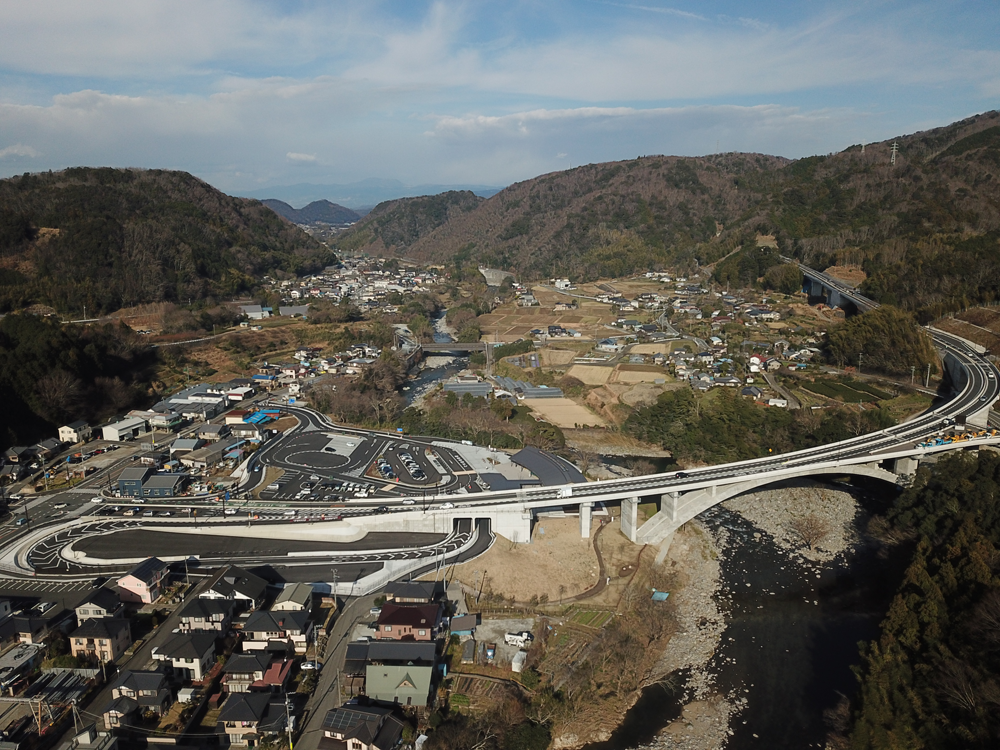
602, 575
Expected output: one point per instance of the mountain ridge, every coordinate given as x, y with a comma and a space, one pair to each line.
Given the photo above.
107, 238
321, 211
926, 229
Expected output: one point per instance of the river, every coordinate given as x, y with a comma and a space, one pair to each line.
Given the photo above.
792, 634
428, 377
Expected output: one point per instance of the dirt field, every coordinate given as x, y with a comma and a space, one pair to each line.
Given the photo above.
563, 412
591, 374
557, 555
663, 347
550, 357
632, 376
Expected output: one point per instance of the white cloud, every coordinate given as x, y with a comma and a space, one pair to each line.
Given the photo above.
292, 156
18, 149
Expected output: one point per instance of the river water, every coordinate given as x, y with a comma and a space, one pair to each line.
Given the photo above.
429, 376
792, 636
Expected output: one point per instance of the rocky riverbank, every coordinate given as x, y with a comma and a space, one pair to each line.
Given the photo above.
815, 525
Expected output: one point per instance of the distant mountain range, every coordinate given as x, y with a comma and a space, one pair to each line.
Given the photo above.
360, 195
316, 212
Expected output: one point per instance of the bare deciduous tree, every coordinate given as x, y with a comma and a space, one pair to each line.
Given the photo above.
809, 529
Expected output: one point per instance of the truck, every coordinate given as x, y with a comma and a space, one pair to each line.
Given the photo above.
566, 492
491, 651
520, 640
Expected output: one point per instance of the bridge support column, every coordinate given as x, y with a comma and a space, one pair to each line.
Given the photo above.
630, 517
905, 466
669, 502
586, 514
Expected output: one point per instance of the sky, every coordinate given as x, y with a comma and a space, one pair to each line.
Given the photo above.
246, 94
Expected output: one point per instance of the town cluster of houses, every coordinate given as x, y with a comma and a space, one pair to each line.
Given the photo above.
366, 282
309, 364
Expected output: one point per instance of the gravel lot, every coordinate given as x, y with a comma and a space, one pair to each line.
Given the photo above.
493, 631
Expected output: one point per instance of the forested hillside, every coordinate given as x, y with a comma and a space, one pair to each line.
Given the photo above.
108, 238
394, 226
932, 679
51, 374
926, 229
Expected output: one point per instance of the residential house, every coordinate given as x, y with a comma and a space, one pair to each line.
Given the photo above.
277, 632
413, 622
165, 420
355, 727
36, 624
75, 432
414, 592
191, 655
752, 391
249, 718
400, 672
103, 638
243, 671
144, 583
212, 615
213, 432
135, 692
239, 586
19, 454
464, 625
100, 603
257, 672
295, 597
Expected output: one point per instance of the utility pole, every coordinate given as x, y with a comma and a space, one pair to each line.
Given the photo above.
913, 369
859, 362
927, 378
335, 605
288, 720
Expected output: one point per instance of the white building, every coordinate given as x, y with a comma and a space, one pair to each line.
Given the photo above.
127, 429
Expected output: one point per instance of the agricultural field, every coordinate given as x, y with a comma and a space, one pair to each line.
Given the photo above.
592, 618
564, 412
591, 374
848, 391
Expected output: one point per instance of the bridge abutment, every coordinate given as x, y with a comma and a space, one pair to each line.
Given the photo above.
630, 517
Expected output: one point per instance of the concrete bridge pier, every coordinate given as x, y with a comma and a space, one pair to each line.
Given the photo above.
586, 517
905, 466
630, 517
668, 505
